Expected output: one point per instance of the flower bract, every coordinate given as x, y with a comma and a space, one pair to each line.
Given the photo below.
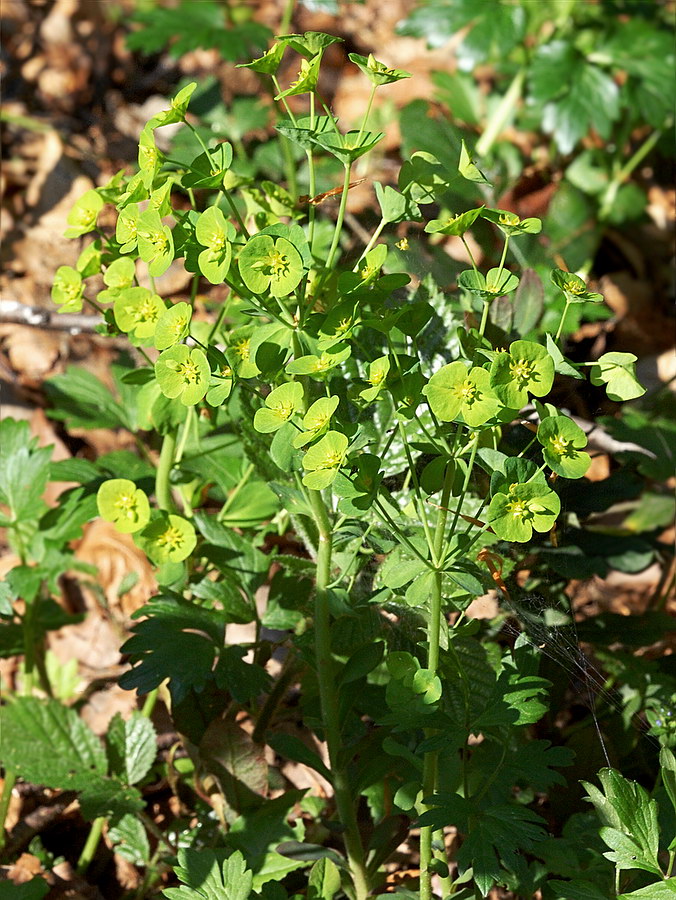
574, 288
376, 72
455, 390
524, 508
183, 373
562, 442
322, 461
119, 501
215, 234
167, 538
68, 289
526, 369
270, 263
155, 242
280, 405
83, 215
137, 311
173, 325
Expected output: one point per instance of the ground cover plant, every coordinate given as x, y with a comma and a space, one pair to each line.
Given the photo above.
368, 456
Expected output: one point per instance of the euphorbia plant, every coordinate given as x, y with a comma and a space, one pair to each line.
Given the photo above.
376, 442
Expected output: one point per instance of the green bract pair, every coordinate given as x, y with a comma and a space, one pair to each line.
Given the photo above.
164, 537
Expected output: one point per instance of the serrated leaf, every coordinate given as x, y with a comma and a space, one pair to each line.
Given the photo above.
109, 798
48, 743
130, 840
207, 875
24, 470
131, 746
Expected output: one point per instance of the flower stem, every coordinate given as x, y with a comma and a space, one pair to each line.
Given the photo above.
89, 849
339, 221
429, 782
162, 486
369, 246
563, 319
368, 110
329, 698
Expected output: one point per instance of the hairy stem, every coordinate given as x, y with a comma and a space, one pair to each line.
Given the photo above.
329, 698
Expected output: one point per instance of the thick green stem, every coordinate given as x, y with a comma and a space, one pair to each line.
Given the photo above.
162, 486
329, 698
430, 766
339, 221
484, 317
89, 849
5, 800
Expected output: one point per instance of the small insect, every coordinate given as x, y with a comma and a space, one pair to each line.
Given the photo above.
320, 198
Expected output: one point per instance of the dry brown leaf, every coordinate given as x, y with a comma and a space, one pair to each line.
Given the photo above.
25, 869
115, 555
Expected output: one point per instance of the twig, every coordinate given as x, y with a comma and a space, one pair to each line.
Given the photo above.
16, 313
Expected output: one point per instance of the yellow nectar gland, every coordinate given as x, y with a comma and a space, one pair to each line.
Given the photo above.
226, 372
278, 263
343, 325
509, 219
377, 378
70, 290
127, 505
519, 509
218, 241
323, 363
522, 370
189, 371
242, 348
284, 410
146, 312
332, 460
574, 287
367, 272
559, 445
466, 391
402, 244
171, 538
178, 325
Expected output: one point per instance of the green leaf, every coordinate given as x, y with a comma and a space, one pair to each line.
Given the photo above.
561, 364
131, 747
126, 233
176, 112
130, 840
47, 743
350, 146
24, 471
630, 819
89, 261
617, 372
576, 94
268, 63
208, 876
309, 44
209, 169
423, 178
562, 442
528, 302
324, 880
395, 207
467, 167
455, 225
660, 890
178, 640
109, 798
35, 889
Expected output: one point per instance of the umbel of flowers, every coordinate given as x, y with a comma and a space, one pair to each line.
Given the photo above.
306, 357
